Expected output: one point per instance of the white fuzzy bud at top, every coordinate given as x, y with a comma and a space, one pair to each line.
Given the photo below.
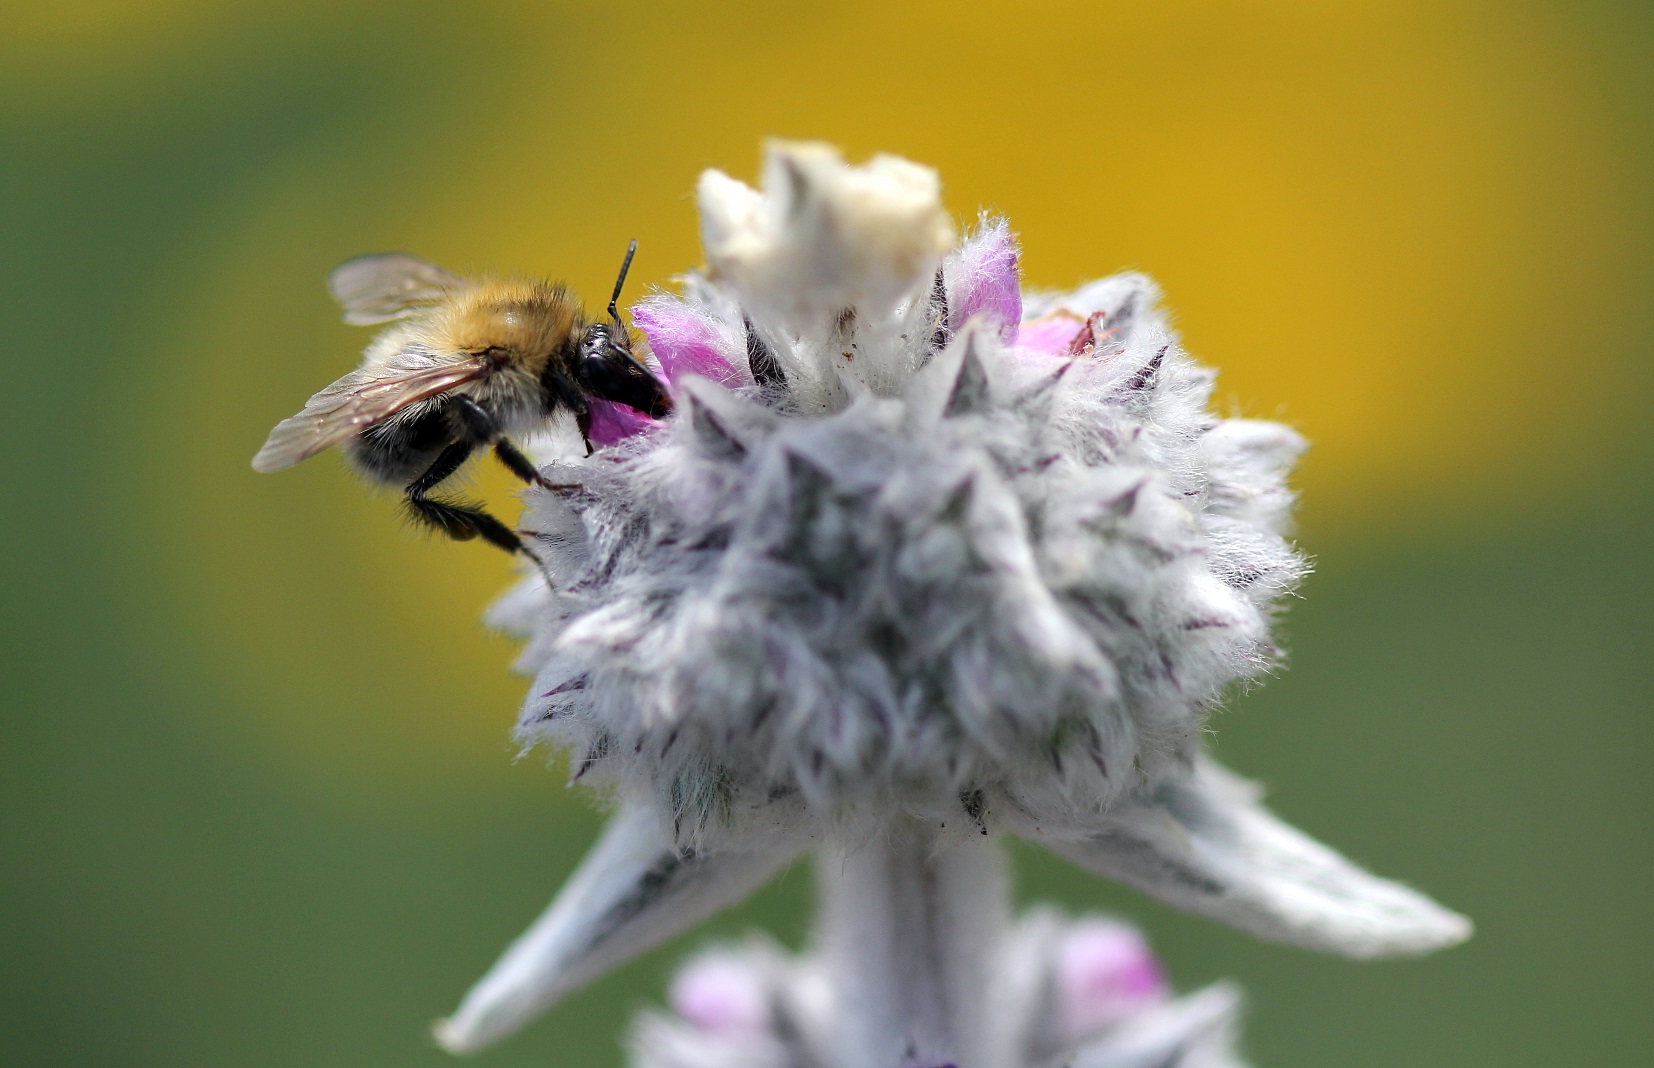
823, 237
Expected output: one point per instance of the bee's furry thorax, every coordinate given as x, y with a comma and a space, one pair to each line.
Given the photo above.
524, 320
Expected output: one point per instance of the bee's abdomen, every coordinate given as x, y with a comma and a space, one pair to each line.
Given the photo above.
398, 450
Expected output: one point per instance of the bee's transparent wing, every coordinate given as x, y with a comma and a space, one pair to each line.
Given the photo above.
356, 402
388, 285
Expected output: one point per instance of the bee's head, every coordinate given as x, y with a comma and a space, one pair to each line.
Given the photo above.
608, 369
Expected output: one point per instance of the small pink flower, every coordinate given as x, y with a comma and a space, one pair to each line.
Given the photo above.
613, 422
985, 283
1050, 335
687, 344
1106, 973
683, 344
719, 994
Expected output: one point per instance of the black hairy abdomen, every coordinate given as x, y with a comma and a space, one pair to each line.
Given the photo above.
398, 450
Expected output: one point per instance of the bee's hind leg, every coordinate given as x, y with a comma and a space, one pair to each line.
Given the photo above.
451, 459
460, 520
485, 431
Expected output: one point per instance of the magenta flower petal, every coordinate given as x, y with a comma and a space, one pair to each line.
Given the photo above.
612, 422
1050, 335
686, 343
986, 283
720, 994
1106, 973
683, 343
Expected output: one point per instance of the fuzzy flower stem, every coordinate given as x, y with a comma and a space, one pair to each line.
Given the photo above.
910, 923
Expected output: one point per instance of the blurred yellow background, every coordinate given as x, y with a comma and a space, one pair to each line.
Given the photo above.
262, 805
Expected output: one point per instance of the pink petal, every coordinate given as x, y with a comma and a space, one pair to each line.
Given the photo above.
685, 342
1050, 335
1105, 974
613, 422
720, 994
986, 283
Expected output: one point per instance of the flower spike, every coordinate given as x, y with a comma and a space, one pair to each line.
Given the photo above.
920, 560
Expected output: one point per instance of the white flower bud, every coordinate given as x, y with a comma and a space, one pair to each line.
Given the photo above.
823, 238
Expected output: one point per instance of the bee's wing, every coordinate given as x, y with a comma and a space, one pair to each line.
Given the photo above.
356, 402
388, 285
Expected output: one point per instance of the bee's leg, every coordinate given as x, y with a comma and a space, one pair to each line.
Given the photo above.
459, 519
583, 420
449, 461
484, 431
562, 392
462, 521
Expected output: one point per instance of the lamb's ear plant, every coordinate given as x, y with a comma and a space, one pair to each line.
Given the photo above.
921, 561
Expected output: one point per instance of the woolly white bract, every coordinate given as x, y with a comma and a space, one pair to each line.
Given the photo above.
915, 563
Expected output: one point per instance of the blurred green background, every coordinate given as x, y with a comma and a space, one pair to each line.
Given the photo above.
259, 802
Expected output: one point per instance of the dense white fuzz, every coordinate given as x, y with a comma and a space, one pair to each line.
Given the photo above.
1024, 578
918, 560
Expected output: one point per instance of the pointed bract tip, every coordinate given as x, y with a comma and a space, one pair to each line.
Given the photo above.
450, 1039
1205, 843
970, 385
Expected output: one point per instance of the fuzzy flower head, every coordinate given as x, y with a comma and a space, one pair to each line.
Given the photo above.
914, 540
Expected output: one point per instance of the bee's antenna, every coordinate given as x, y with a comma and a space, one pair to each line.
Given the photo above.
626, 265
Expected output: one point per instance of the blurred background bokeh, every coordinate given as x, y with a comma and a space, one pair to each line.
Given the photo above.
259, 803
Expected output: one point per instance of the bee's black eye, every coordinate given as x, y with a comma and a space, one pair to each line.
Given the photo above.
609, 371
602, 377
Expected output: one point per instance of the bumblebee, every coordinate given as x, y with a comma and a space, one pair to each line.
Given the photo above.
465, 365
